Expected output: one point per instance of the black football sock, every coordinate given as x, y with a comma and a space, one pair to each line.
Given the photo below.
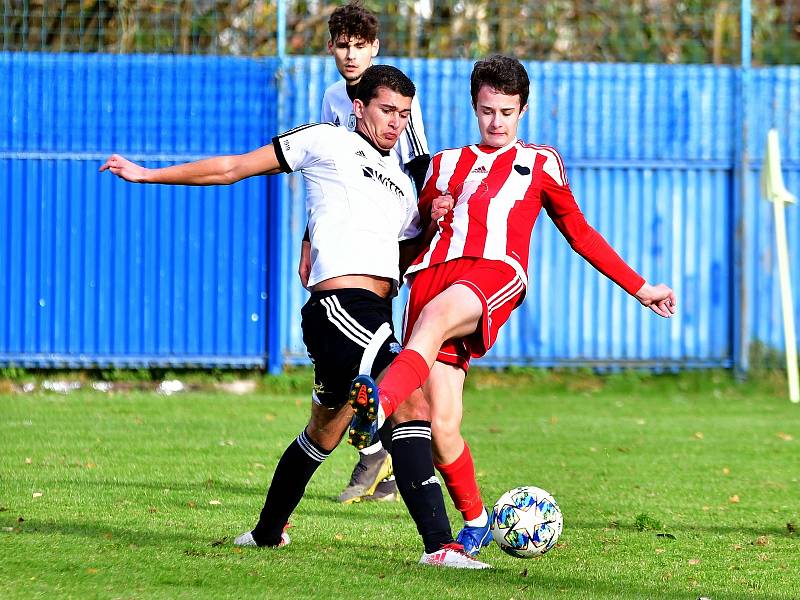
292, 474
384, 436
413, 467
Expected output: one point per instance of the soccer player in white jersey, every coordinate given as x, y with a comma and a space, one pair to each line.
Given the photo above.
355, 194
354, 43
486, 198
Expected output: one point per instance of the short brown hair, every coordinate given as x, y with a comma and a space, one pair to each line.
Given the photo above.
502, 73
354, 22
378, 76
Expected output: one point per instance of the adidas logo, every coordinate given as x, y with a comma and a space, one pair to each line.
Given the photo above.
480, 169
361, 154
438, 558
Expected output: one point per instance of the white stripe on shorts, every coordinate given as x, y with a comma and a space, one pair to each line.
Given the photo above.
504, 294
344, 322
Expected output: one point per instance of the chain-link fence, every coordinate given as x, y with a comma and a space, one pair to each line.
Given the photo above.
654, 31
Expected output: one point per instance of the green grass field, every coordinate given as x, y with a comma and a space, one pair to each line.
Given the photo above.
671, 487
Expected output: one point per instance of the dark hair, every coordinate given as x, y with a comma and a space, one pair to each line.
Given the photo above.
378, 76
502, 73
353, 21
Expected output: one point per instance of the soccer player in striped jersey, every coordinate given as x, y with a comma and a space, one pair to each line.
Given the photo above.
353, 44
485, 198
353, 189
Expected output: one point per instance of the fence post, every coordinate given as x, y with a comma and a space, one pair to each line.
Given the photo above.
740, 292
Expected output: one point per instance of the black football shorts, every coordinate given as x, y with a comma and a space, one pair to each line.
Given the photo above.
347, 332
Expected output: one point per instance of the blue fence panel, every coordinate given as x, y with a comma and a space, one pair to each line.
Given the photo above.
96, 271
649, 150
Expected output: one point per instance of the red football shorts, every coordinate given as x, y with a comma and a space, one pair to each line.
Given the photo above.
496, 285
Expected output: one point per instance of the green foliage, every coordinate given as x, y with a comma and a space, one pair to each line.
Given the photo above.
671, 31
138, 495
644, 522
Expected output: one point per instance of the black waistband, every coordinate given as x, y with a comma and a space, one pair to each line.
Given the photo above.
349, 293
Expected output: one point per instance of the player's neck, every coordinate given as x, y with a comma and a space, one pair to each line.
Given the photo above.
350, 87
373, 144
487, 149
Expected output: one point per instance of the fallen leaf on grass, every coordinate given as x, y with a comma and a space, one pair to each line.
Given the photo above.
191, 504
28, 461
761, 540
694, 561
108, 536
726, 471
698, 435
91, 571
214, 502
737, 546
659, 551
8, 529
784, 436
734, 499
338, 537
494, 429
37, 494
152, 509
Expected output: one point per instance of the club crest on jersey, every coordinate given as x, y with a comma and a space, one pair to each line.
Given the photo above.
351, 122
522, 170
371, 173
395, 348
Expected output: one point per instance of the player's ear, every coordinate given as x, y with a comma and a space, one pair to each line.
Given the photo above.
376, 45
330, 46
358, 108
522, 111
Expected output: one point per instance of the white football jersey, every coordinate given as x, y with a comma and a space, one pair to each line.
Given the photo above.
337, 108
358, 200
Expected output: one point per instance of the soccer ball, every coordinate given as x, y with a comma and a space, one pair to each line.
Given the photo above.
526, 522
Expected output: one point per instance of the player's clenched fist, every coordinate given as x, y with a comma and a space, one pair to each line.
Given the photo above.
441, 205
124, 169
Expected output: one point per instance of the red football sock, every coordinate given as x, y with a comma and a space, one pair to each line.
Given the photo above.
406, 373
459, 477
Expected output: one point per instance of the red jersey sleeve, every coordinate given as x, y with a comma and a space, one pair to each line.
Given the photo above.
558, 201
429, 191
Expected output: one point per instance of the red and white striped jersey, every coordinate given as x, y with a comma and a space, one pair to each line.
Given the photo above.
498, 193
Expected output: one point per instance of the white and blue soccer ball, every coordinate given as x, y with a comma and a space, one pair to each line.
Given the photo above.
526, 522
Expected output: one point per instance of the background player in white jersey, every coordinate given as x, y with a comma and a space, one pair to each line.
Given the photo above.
354, 43
486, 198
355, 194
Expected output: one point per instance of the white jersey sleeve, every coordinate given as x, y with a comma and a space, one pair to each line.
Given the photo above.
413, 142
303, 146
326, 114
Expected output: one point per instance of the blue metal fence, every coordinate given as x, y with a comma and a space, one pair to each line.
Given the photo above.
95, 271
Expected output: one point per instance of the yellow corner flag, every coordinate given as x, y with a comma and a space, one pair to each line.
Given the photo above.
774, 191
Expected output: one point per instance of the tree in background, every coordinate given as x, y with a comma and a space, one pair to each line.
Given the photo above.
654, 31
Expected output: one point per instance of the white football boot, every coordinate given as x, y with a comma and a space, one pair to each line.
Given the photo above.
246, 539
453, 556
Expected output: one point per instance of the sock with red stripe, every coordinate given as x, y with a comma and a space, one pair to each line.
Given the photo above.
406, 373
459, 477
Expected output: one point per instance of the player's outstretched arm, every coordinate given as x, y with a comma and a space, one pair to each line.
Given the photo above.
658, 298
218, 170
